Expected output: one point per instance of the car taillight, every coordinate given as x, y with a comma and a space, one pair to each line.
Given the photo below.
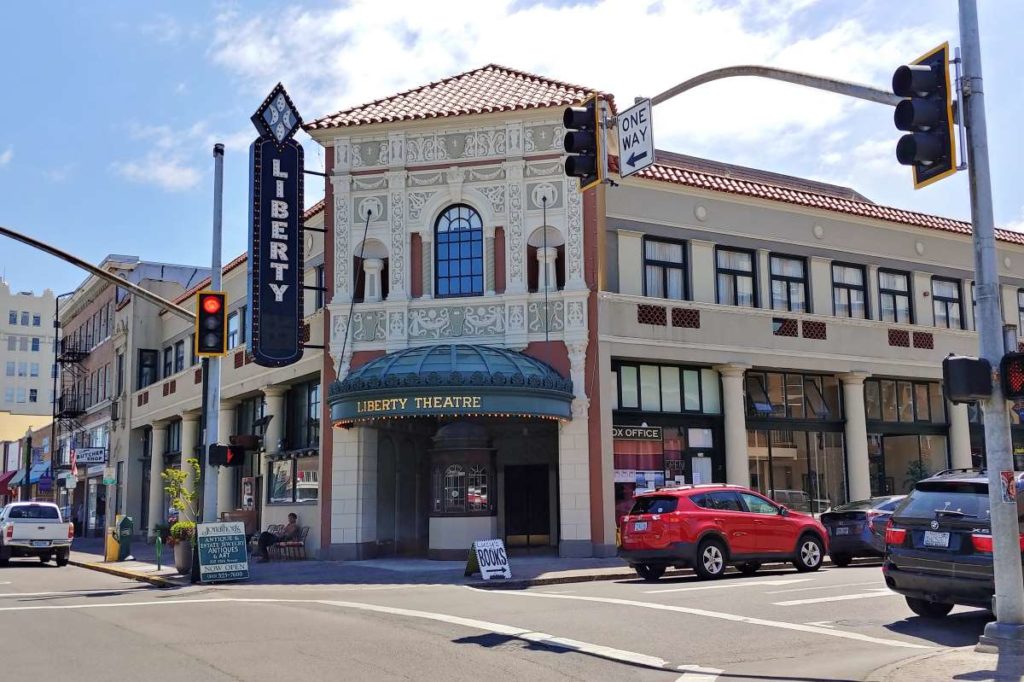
9, 532
983, 543
71, 531
894, 536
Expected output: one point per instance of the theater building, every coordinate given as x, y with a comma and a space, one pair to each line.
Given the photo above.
516, 359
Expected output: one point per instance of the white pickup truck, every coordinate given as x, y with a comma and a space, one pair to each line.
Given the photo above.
34, 529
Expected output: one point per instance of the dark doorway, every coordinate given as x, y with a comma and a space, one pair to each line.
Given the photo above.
402, 522
527, 508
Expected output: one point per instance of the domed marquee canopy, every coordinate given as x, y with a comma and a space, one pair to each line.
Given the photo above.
451, 380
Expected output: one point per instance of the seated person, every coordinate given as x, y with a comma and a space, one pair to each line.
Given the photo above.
289, 532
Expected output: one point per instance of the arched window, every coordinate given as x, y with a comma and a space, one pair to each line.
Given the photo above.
459, 252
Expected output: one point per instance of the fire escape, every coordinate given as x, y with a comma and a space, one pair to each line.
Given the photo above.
70, 400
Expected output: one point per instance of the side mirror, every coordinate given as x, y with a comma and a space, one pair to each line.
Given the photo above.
783, 511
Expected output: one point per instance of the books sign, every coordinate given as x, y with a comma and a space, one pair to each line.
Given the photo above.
489, 559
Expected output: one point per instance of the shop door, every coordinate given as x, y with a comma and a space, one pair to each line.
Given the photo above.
700, 468
527, 509
407, 503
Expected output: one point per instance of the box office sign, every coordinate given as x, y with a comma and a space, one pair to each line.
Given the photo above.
275, 240
636, 432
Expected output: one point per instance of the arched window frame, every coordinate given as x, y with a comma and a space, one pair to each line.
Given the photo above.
450, 272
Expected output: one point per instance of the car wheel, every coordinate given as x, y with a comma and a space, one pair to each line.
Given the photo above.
749, 568
45, 558
808, 554
649, 572
710, 561
841, 560
928, 609
62, 556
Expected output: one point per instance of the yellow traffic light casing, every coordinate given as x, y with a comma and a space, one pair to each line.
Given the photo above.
211, 331
927, 115
583, 142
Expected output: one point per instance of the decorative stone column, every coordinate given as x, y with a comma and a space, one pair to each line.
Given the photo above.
856, 435
959, 436
189, 439
372, 289
547, 277
737, 464
157, 447
274, 433
226, 477
427, 263
489, 263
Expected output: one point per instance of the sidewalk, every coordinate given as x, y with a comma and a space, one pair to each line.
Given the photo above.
963, 663
526, 570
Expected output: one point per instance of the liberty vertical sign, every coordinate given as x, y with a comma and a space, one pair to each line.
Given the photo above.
275, 239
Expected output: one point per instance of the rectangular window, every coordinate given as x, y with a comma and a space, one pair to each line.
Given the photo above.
792, 396
9, 393
650, 388
303, 422
168, 361
21, 395
974, 308
789, 283
179, 356
12, 317
894, 297
119, 368
233, 329
24, 318
35, 344
294, 480
174, 436
849, 291
23, 343
667, 388
193, 358
282, 484
33, 395
946, 302
33, 369
628, 387
320, 284
149, 368
37, 320
664, 269
735, 277
1020, 312
10, 368
12, 343
890, 400
670, 393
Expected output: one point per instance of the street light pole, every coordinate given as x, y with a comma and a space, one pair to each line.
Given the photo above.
212, 394
1006, 634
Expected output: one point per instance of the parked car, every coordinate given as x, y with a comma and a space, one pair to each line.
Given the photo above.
799, 500
710, 527
34, 529
939, 544
857, 529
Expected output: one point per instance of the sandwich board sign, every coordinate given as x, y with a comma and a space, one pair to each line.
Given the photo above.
223, 551
489, 559
636, 138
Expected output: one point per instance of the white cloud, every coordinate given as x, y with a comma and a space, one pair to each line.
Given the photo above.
6, 156
168, 172
60, 173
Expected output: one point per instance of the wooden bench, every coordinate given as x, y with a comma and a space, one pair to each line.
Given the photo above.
289, 549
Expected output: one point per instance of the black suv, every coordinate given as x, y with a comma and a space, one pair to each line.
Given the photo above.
939, 544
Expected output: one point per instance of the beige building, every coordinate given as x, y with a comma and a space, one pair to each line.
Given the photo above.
26, 351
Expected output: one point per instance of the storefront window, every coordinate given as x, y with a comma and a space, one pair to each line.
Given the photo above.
890, 400
804, 470
294, 480
667, 388
792, 396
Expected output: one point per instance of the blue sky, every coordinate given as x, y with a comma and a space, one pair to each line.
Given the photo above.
112, 108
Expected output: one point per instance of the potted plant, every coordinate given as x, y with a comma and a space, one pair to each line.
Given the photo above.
183, 498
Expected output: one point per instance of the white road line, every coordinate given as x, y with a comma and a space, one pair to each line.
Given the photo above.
782, 625
74, 593
696, 673
542, 638
736, 582
883, 592
825, 587
822, 623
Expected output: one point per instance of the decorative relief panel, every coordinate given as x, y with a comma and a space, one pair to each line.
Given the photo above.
424, 148
574, 240
555, 316
425, 179
496, 195
485, 174
516, 248
342, 236
369, 182
575, 315
375, 204
399, 238
517, 318
417, 200
368, 326
455, 321
396, 325
544, 137
539, 190
537, 170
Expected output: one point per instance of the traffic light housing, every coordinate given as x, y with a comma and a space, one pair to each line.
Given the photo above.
226, 455
583, 143
1011, 375
211, 332
966, 379
927, 115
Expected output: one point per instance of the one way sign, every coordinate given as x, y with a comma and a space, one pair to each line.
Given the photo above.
636, 138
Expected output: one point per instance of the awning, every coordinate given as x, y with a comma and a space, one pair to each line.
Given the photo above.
451, 380
16, 480
38, 471
5, 479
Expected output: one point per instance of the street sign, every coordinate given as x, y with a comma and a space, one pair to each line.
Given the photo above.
636, 138
489, 559
275, 243
223, 551
89, 455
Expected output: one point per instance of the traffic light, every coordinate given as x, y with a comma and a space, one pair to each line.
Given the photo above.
966, 379
1011, 374
226, 456
211, 324
927, 114
583, 143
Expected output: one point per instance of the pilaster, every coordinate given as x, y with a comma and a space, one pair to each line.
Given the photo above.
737, 464
856, 435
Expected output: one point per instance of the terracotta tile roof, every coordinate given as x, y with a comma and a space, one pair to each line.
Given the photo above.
313, 210
678, 170
488, 89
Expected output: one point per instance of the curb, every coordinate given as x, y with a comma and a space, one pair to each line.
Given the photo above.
131, 575
537, 582
887, 673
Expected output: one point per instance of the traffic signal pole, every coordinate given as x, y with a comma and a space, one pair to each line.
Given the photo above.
211, 396
1006, 633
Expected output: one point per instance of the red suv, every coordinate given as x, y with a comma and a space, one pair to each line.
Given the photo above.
708, 527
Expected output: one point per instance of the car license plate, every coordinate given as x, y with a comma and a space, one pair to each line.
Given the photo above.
842, 530
640, 526
933, 539
40, 543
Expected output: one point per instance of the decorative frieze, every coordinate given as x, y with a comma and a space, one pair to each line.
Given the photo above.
342, 238
448, 322
496, 196
574, 240
368, 326
399, 237
555, 316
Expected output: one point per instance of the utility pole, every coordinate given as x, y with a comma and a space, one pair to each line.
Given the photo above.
26, 485
1006, 634
212, 394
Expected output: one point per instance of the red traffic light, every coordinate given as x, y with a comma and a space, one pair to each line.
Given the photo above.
211, 304
1011, 373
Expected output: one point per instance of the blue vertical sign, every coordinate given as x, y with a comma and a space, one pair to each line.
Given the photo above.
275, 241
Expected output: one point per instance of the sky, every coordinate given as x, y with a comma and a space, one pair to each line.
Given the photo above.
112, 108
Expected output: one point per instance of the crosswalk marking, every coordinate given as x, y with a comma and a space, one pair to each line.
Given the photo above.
882, 592
731, 584
824, 587
697, 673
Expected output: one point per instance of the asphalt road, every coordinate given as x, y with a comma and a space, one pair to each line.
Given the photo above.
837, 624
